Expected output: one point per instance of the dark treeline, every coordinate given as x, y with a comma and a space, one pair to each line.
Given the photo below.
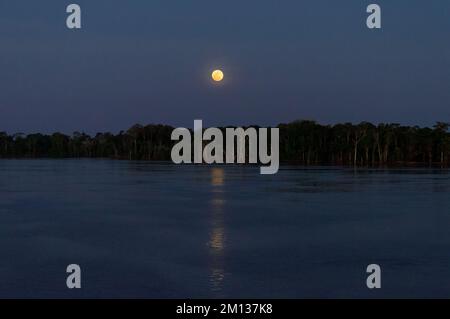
303, 142
364, 144
151, 142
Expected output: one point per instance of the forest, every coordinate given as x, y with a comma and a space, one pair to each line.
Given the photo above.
301, 142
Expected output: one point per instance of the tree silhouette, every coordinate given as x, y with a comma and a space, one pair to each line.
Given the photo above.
301, 142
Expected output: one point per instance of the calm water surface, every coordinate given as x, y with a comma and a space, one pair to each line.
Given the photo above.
156, 230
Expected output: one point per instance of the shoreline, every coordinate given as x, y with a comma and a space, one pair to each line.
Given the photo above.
282, 163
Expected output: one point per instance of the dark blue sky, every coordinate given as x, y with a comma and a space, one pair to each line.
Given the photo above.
149, 62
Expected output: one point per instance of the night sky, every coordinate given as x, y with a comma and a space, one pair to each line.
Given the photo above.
150, 62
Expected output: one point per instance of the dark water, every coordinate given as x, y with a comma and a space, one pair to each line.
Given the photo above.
141, 229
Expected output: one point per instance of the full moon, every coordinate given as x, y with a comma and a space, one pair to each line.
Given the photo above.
217, 75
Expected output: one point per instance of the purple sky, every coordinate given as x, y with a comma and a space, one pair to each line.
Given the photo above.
150, 62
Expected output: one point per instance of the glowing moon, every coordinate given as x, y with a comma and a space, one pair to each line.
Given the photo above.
217, 75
